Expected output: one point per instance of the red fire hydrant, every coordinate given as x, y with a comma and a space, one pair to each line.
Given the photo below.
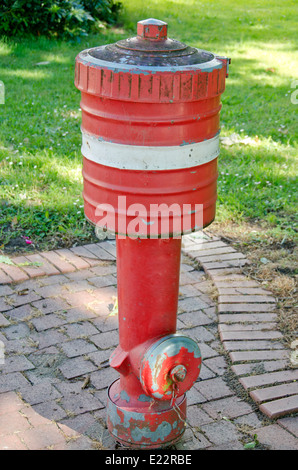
150, 125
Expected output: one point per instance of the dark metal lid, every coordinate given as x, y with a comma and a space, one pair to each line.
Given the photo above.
151, 48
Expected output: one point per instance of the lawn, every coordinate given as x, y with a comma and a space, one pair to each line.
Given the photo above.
40, 160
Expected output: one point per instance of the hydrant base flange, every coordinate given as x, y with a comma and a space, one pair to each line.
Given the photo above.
144, 423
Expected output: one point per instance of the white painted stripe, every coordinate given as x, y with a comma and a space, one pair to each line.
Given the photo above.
136, 157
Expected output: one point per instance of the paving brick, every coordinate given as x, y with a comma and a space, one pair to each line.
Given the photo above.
55, 279
191, 319
250, 421
49, 321
53, 290
62, 265
35, 419
216, 364
99, 252
40, 393
20, 313
216, 251
42, 437
206, 373
81, 275
3, 321
103, 378
4, 278
232, 283
49, 305
251, 345
109, 247
11, 442
77, 367
103, 281
190, 277
242, 299
48, 268
198, 333
104, 269
32, 271
233, 327
78, 298
14, 272
100, 357
106, 295
290, 424
70, 257
19, 346
188, 290
82, 329
202, 247
216, 257
231, 278
10, 402
82, 424
207, 351
77, 347
237, 263
19, 298
257, 367
105, 340
82, 403
107, 323
250, 335
79, 286
196, 417
86, 255
79, 314
17, 331
245, 307
16, 364
267, 379
5, 290
4, 306
272, 393
79, 443
222, 273
191, 304
257, 355
213, 389
237, 290
281, 407
231, 407
275, 437
50, 410
46, 338
247, 317
11, 423
221, 432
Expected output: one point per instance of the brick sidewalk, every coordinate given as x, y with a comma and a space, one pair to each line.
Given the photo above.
58, 332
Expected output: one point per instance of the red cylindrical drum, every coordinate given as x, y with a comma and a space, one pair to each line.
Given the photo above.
150, 126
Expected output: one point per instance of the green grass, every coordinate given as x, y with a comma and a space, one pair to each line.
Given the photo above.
40, 161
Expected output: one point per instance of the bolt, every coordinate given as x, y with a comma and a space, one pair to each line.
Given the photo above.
178, 373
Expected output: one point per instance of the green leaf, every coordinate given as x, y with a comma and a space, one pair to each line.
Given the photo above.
28, 263
6, 260
250, 445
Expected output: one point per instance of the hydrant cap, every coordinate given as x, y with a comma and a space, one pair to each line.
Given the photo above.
152, 29
171, 364
151, 48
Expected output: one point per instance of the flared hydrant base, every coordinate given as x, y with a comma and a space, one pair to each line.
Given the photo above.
144, 423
